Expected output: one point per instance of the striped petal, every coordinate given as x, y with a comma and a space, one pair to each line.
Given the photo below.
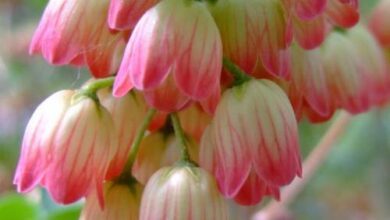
124, 14
182, 193
343, 13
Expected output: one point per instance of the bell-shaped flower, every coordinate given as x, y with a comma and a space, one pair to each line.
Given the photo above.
157, 150
121, 201
124, 14
379, 22
253, 31
309, 80
67, 147
128, 113
71, 33
373, 64
176, 38
182, 192
254, 130
356, 73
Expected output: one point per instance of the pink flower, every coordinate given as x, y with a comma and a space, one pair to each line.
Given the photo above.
128, 113
355, 70
71, 33
124, 14
309, 80
379, 22
182, 192
122, 201
175, 39
253, 32
252, 146
67, 147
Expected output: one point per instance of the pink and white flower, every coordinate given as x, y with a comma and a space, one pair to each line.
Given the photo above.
182, 192
67, 147
175, 39
71, 33
253, 139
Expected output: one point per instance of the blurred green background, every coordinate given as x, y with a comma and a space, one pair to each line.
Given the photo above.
353, 183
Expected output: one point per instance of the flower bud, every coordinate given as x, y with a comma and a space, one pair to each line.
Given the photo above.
67, 147
182, 192
178, 38
254, 130
71, 33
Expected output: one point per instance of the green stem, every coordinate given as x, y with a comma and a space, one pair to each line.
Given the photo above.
94, 86
179, 133
240, 76
137, 141
90, 89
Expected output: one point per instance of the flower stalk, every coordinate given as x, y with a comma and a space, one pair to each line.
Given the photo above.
137, 142
179, 133
96, 85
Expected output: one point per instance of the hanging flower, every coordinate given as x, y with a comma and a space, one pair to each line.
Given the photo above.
67, 147
177, 39
254, 132
182, 192
71, 33
252, 32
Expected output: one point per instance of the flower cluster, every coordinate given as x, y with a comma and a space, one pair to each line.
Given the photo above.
193, 100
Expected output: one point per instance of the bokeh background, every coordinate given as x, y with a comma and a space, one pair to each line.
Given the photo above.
352, 183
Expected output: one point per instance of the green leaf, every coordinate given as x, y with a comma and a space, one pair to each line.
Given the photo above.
68, 213
17, 207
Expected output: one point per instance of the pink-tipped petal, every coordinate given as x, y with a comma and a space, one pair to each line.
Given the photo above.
124, 14
34, 154
273, 38
343, 13
167, 97
254, 190
198, 66
275, 149
309, 33
309, 79
104, 52
122, 85
235, 20
210, 104
66, 28
309, 9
